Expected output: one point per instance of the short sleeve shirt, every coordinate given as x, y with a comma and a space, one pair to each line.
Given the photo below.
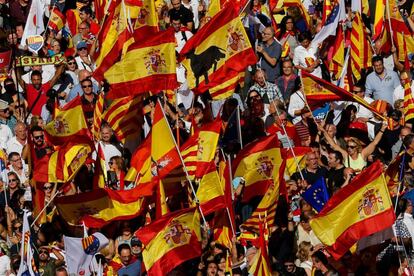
274, 50
33, 93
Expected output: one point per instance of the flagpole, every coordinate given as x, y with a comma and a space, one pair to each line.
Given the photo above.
245, 6
239, 127
389, 22
184, 167
400, 179
290, 145
44, 208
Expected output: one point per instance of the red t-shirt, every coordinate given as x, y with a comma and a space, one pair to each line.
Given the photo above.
32, 93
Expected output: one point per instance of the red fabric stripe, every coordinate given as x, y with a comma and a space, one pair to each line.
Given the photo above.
213, 205
255, 189
359, 230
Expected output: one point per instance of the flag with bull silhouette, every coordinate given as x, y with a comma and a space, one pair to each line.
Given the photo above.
218, 53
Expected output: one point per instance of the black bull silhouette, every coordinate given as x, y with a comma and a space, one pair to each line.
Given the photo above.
203, 62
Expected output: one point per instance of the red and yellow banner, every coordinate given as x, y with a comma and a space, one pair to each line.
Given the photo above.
218, 52
210, 192
170, 241
56, 20
148, 65
361, 51
361, 208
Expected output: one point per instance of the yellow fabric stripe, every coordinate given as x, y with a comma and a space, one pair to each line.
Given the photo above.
52, 167
209, 187
67, 122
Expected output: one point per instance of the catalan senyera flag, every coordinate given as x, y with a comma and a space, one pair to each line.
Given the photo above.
319, 91
56, 20
63, 164
170, 241
97, 116
198, 152
210, 192
392, 174
124, 116
218, 52
261, 264
127, 21
99, 6
408, 98
69, 124
403, 39
379, 18
291, 165
361, 51
164, 154
148, 65
327, 9
100, 207
361, 208
338, 56
259, 164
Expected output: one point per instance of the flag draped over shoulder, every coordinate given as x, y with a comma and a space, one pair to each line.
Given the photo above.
124, 117
170, 241
62, 165
259, 164
68, 125
148, 65
361, 51
361, 208
81, 251
319, 91
218, 52
100, 207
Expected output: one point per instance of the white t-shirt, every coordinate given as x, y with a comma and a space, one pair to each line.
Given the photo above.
363, 112
180, 40
5, 135
399, 92
301, 55
4, 265
109, 151
296, 102
14, 146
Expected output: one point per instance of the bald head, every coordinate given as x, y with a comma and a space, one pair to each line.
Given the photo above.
84, 74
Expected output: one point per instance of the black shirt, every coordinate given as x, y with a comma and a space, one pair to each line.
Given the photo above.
335, 179
183, 13
311, 177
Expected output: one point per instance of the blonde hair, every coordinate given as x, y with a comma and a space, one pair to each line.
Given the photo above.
304, 251
109, 250
357, 142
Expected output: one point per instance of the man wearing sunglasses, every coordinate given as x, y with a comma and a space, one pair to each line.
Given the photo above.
88, 100
5, 131
41, 147
47, 265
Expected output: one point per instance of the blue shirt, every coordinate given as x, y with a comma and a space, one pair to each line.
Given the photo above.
382, 88
133, 269
77, 90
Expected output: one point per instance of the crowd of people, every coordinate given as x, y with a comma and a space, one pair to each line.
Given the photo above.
341, 138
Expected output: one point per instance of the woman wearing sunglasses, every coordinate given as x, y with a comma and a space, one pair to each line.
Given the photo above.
355, 156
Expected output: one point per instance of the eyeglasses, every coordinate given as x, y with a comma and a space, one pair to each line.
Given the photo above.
5, 110
86, 86
13, 180
15, 160
83, 48
350, 146
43, 252
38, 137
267, 33
47, 188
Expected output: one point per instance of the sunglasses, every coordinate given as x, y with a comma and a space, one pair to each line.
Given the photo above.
86, 86
38, 137
5, 110
47, 188
43, 252
71, 63
350, 146
19, 228
83, 48
13, 180
110, 162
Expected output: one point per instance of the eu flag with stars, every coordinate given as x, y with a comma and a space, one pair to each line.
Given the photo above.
410, 196
317, 194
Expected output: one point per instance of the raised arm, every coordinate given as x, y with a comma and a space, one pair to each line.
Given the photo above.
58, 72
371, 147
332, 143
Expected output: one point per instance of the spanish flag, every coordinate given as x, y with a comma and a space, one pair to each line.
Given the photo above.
338, 57
100, 207
140, 170
199, 151
327, 9
210, 192
97, 116
161, 207
361, 208
218, 52
291, 163
261, 264
148, 65
379, 20
259, 163
170, 241
56, 20
361, 51
124, 117
62, 165
68, 125
227, 88
403, 38
100, 174
127, 21
319, 91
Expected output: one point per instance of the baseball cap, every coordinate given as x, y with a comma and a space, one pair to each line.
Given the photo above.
135, 241
3, 104
81, 44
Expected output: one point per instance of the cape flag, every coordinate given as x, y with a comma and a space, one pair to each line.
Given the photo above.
259, 163
361, 51
379, 20
148, 65
100, 207
170, 241
337, 15
319, 91
408, 98
317, 194
218, 52
81, 251
97, 116
210, 192
361, 208
199, 151
338, 57
56, 20
62, 165
27, 264
125, 19
300, 153
34, 23
304, 12
124, 117
261, 264
68, 125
